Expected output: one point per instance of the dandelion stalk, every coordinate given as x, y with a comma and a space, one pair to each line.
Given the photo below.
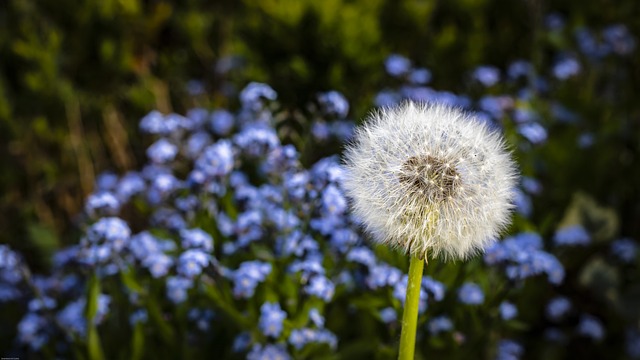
429, 178
410, 314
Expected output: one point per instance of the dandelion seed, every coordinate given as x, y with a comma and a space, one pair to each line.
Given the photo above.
430, 178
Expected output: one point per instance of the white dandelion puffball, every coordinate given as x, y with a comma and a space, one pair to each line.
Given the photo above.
430, 179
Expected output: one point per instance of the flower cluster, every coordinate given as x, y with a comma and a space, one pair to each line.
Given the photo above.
233, 238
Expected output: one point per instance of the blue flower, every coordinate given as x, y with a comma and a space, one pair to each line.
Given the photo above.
282, 219
387, 98
420, 76
111, 230
558, 307
248, 276
161, 187
241, 342
362, 255
309, 266
216, 160
156, 123
143, 244
104, 239
533, 132
103, 308
344, 239
495, 105
158, 264
8, 292
326, 171
106, 181
536, 263
316, 318
72, 317
280, 160
257, 140
221, 122
187, 204
509, 350
196, 238
168, 219
225, 224
327, 224
508, 310
590, 327
10, 271
589, 45
397, 65
382, 275
523, 257
434, 288
388, 315
419, 93
102, 203
162, 151
334, 103
333, 201
177, 288
138, 316
487, 75
321, 287
523, 203
32, 331
271, 319
301, 337
131, 184
297, 243
253, 95
201, 317
519, 68
343, 130
625, 249
470, 294
268, 352
566, 68
572, 235
531, 185
196, 143
440, 324
619, 38
44, 303
249, 227
554, 21
192, 262
320, 130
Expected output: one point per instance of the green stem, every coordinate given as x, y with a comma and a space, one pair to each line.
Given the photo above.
410, 315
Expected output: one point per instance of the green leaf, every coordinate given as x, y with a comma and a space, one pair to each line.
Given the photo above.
130, 282
601, 278
44, 239
228, 309
93, 338
137, 342
156, 314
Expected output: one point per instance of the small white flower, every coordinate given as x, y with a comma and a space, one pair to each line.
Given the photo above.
428, 178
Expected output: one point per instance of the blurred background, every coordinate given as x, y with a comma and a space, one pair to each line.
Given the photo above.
76, 77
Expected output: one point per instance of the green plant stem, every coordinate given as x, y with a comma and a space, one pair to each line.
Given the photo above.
410, 314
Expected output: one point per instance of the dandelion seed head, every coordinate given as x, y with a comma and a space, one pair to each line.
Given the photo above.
429, 178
